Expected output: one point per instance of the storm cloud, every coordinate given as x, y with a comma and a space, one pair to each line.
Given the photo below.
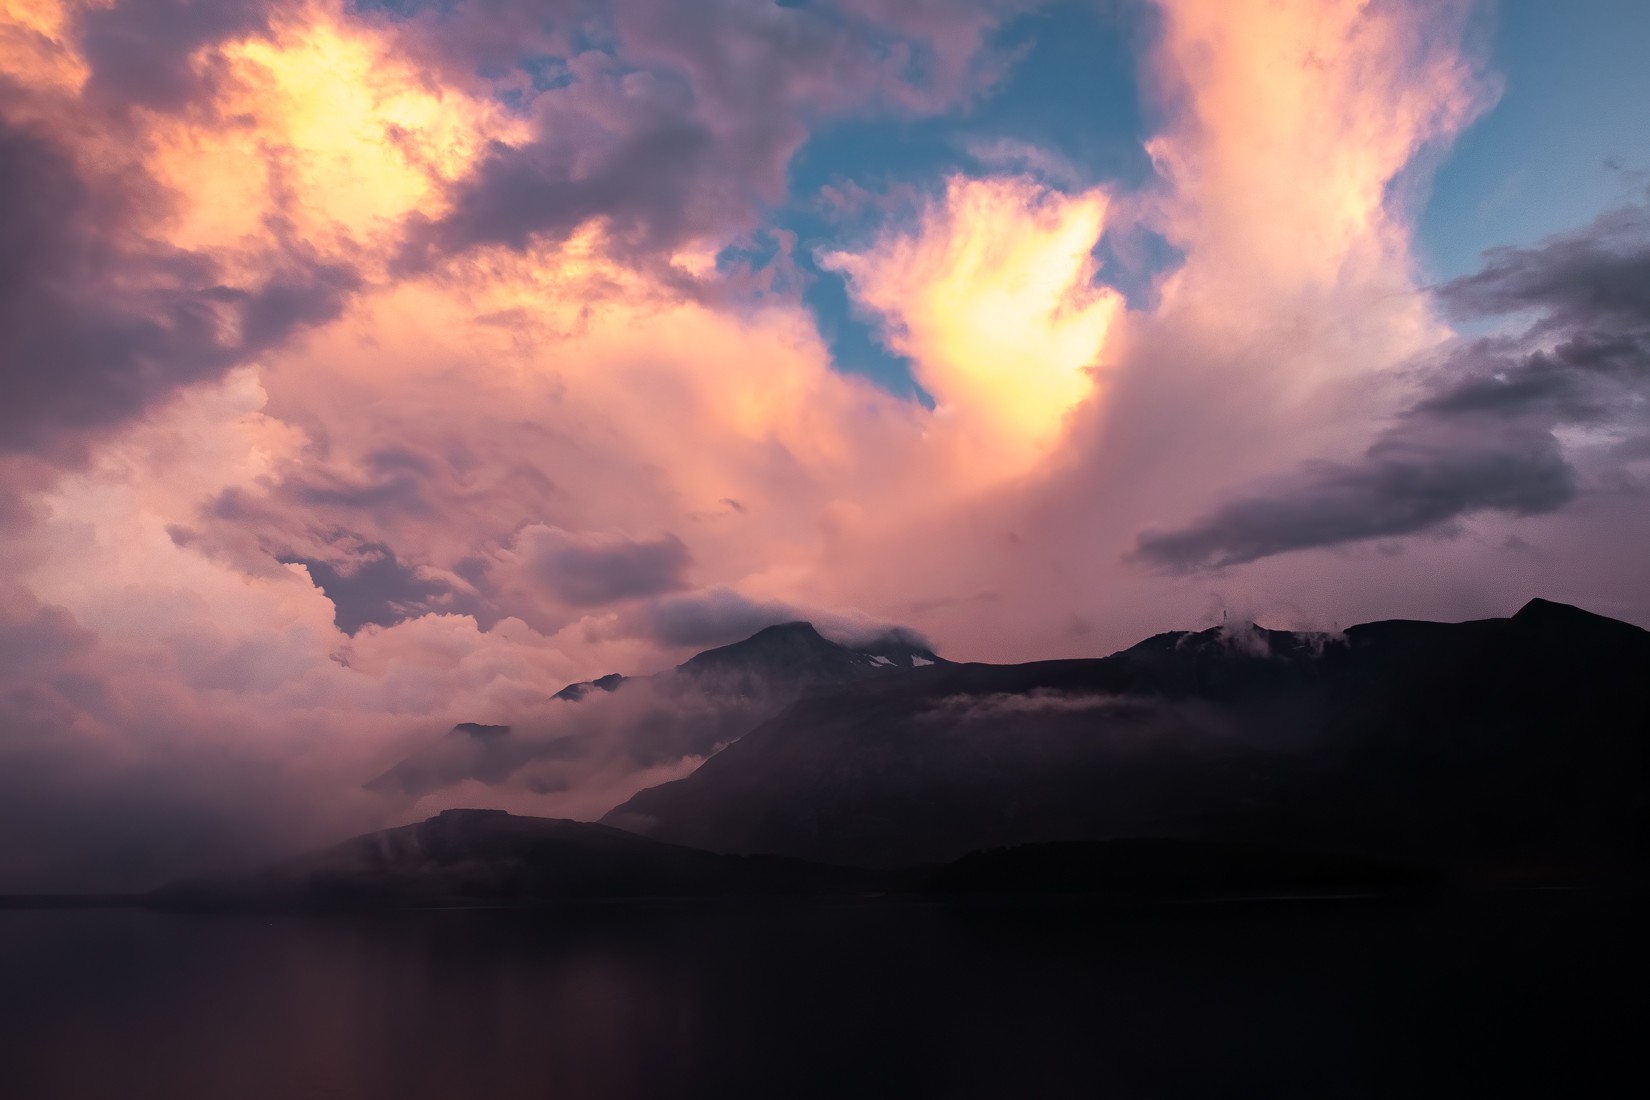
98, 323
143, 52
1488, 435
589, 570
684, 126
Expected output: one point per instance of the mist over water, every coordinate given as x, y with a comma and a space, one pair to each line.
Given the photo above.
828, 1000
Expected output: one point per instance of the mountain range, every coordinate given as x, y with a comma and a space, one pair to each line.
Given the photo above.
1496, 749
470, 858
690, 710
1497, 744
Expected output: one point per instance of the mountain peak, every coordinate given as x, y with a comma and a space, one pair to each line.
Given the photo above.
574, 692
795, 655
480, 730
1540, 610
1548, 615
777, 645
800, 629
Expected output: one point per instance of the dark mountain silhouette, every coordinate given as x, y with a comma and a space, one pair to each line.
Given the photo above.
790, 658
691, 710
492, 858
796, 658
1161, 870
572, 693
1513, 745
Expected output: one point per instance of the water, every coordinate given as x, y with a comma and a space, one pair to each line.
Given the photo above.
1534, 995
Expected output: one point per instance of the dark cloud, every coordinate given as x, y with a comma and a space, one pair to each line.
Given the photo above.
683, 121
1405, 484
96, 324
1483, 438
39, 680
144, 52
517, 194
585, 570
373, 587
715, 616
1594, 280
398, 492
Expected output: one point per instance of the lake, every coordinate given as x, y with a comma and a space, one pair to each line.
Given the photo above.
1530, 994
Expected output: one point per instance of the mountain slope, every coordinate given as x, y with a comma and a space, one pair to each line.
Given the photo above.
490, 857
786, 658
691, 710
1500, 741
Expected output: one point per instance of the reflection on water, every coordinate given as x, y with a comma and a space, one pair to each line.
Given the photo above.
849, 1000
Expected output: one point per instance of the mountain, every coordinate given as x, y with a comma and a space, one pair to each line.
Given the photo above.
493, 858
693, 709
1162, 870
789, 658
572, 693
490, 857
1503, 745
796, 656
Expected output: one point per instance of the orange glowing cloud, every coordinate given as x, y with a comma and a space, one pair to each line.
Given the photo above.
321, 130
32, 46
1291, 123
1296, 131
993, 299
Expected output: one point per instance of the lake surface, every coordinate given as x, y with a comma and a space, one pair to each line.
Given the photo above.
1532, 995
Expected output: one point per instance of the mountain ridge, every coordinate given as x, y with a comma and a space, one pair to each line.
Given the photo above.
480, 857
692, 709
1395, 737
792, 652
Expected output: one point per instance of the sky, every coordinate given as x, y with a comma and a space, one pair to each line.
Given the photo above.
369, 367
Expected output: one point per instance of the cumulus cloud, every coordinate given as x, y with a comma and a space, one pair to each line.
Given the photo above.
98, 322
715, 616
148, 53
373, 588
993, 299
683, 128
1495, 429
720, 615
589, 569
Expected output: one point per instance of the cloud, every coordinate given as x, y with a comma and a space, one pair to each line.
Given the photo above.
713, 617
993, 299
1489, 432
999, 707
373, 588
682, 126
156, 53
98, 323
589, 569
579, 751
1406, 484
1596, 278
719, 615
